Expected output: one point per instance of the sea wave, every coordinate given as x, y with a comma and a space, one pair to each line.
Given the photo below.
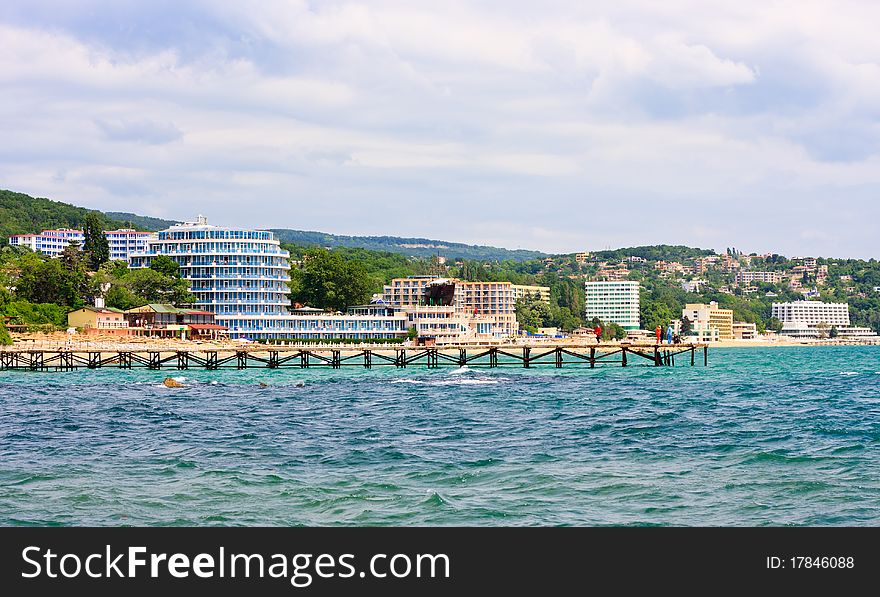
449, 382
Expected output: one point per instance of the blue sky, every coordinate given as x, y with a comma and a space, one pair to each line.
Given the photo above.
558, 126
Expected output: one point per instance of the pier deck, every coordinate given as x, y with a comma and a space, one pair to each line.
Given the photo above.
336, 357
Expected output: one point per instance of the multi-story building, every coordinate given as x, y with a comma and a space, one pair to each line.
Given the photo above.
489, 298
405, 292
48, 242
29, 241
816, 319
812, 313
821, 274
703, 264
581, 257
496, 299
447, 324
612, 302
749, 277
620, 272
125, 241
729, 264
520, 291
709, 317
53, 242
240, 275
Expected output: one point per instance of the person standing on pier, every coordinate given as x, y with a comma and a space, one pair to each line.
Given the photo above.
659, 333
598, 332
669, 333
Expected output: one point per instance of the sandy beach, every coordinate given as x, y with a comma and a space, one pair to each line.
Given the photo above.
98, 342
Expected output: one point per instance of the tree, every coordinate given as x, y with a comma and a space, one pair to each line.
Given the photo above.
44, 280
165, 265
5, 338
328, 281
532, 313
613, 331
655, 313
833, 333
412, 332
95, 243
774, 324
151, 286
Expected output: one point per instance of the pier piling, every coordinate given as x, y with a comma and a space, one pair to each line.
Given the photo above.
335, 357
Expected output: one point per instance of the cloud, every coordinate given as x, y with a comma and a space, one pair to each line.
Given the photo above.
550, 126
140, 131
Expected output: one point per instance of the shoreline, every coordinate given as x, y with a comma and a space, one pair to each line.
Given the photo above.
62, 341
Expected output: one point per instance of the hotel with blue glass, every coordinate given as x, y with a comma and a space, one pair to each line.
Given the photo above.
242, 276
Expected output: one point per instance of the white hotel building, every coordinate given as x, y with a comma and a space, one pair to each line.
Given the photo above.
53, 242
612, 302
809, 319
242, 275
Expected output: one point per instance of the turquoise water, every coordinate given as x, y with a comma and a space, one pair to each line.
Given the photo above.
780, 436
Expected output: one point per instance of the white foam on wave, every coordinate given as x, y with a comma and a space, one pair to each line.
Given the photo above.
449, 382
848, 373
460, 370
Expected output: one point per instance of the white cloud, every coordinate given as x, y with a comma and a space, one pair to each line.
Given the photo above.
558, 115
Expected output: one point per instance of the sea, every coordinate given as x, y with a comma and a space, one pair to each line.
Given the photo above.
761, 436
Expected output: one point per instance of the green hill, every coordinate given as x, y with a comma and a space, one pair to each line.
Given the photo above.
144, 222
417, 247
23, 214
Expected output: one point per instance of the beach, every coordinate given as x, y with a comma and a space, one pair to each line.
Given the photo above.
98, 342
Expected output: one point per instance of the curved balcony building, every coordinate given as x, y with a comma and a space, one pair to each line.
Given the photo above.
238, 274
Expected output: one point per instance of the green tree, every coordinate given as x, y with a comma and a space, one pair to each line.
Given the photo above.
532, 313
833, 333
165, 265
412, 333
329, 281
44, 280
654, 313
95, 243
120, 297
153, 287
5, 338
612, 331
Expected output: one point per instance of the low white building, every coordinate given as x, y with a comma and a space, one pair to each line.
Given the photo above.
809, 320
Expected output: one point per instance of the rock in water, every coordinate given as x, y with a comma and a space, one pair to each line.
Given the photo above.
264, 384
170, 382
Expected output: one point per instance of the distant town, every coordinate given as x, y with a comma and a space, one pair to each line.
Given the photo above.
196, 280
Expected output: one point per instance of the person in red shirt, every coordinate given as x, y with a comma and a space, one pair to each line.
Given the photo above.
598, 332
659, 332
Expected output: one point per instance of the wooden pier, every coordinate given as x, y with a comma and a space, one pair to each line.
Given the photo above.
272, 357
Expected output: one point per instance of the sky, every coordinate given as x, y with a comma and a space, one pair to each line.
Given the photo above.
556, 126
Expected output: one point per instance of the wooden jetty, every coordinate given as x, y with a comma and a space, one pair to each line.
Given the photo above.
303, 357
